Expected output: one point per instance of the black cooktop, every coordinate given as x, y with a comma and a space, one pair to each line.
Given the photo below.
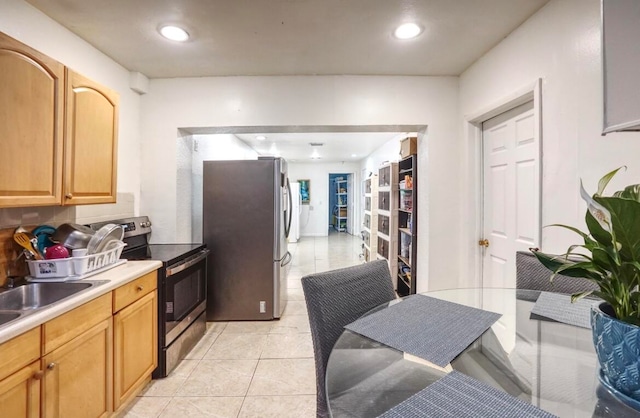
167, 253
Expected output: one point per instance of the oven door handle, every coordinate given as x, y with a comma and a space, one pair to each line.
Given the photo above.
183, 265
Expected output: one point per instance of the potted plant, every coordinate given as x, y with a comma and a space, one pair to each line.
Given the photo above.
610, 257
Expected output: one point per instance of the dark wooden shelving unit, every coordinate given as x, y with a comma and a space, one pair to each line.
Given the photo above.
407, 225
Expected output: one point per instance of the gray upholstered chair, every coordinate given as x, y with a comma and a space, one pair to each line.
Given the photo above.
532, 275
336, 298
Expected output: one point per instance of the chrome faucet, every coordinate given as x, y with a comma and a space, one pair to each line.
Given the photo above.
13, 272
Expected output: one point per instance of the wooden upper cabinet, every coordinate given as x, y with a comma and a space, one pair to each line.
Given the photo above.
31, 126
91, 144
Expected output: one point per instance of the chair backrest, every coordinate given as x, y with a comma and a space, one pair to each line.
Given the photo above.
533, 275
336, 298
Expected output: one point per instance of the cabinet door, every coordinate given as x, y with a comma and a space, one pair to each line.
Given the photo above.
384, 200
135, 346
384, 176
31, 126
90, 153
383, 224
20, 393
383, 248
78, 376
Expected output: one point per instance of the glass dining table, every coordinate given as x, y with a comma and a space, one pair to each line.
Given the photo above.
546, 363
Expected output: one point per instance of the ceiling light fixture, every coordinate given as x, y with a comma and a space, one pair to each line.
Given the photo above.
315, 155
353, 155
261, 137
174, 33
407, 31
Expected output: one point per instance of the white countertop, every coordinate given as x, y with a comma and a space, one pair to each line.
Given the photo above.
116, 277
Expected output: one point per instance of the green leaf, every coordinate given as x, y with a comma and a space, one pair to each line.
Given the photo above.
577, 255
602, 184
604, 260
577, 296
585, 270
630, 192
550, 261
625, 219
570, 228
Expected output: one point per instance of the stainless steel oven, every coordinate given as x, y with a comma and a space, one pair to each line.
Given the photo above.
182, 319
182, 290
185, 286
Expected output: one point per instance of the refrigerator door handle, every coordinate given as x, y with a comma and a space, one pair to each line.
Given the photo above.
287, 228
286, 259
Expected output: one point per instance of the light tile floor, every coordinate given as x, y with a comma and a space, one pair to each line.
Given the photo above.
253, 369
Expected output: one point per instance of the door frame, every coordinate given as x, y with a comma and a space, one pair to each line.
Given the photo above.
473, 135
351, 220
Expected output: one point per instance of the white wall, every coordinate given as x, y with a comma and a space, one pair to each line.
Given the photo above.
298, 101
25, 23
561, 45
314, 217
209, 148
389, 151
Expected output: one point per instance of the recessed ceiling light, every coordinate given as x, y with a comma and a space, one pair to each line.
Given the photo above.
407, 31
353, 155
174, 33
261, 137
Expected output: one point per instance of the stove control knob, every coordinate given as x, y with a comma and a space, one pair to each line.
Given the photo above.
146, 224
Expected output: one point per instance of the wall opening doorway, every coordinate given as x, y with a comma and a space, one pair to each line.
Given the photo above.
346, 149
341, 202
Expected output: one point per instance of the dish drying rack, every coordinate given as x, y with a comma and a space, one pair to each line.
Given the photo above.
76, 268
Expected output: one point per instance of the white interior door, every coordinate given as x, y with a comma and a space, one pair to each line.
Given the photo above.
511, 188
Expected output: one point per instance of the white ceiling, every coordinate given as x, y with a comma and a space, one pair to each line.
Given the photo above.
337, 147
292, 37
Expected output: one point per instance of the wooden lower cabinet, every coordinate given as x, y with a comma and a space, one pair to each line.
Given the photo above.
20, 393
78, 375
86, 363
135, 347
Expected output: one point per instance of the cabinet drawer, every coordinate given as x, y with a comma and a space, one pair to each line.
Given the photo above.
68, 326
383, 248
132, 291
384, 199
19, 352
383, 224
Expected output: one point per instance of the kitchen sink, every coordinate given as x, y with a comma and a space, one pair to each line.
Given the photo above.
24, 300
37, 295
8, 316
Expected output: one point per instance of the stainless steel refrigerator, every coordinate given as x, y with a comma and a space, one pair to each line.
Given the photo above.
246, 220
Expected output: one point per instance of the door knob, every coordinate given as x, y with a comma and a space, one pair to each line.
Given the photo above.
483, 243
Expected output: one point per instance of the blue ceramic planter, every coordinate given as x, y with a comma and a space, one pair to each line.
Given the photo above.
617, 345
